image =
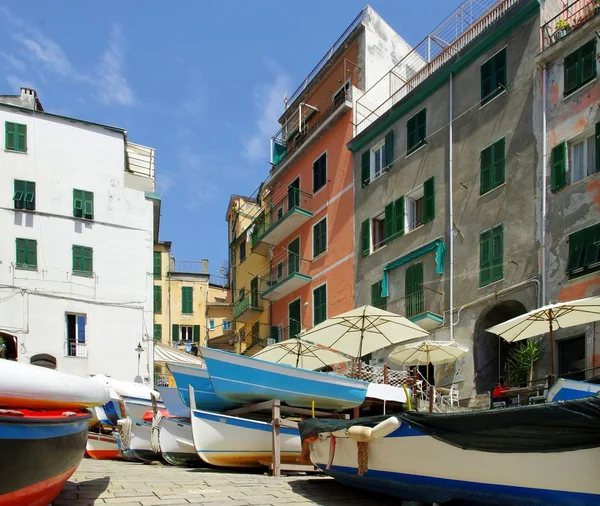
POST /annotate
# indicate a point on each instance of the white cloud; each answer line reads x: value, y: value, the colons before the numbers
x: 17, y: 82
x: 43, y: 51
x: 111, y: 84
x: 15, y: 63
x: 268, y: 100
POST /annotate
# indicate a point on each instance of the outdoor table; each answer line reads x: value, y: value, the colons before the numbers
x: 518, y: 391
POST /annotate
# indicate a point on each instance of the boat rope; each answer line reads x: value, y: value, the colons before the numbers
x: 155, y: 431
x: 331, y: 452
x: 363, y: 457
x: 124, y: 426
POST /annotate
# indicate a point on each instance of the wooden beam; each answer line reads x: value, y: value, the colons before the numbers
x: 275, y: 424
x: 250, y: 408
x: 297, y: 468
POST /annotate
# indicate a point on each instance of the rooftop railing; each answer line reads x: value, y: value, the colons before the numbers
x: 567, y: 20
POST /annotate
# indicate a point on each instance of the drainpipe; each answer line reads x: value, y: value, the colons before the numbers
x: 450, y: 205
x: 544, y: 165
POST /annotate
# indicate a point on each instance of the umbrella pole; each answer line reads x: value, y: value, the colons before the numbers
x: 362, y: 334
x: 551, y: 349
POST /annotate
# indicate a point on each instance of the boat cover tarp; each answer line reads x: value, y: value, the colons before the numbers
x: 537, y: 428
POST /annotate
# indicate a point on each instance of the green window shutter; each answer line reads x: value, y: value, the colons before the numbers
x: 187, y: 300
x: 10, y: 135
x: 376, y: 299
x: 485, y: 180
x: 21, y: 138
x: 320, y: 237
x: 485, y: 254
x: 32, y: 253
x: 15, y: 136
x: 592, y: 245
x: 570, y: 65
x: 499, y: 150
x: 19, y: 194
x: 274, y: 333
x: 486, y: 81
x: 389, y: 150
x: 500, y: 71
x: 399, y: 217
x: 389, y: 222
x: 365, y: 168
x: 559, y: 166
x: 175, y: 332
x: 320, y: 305
x: 77, y: 259
x: 157, y: 265
x: 365, y: 236
x: 77, y: 203
x: 88, y: 205
x: 428, y: 200
x: 422, y: 126
x: 88, y: 260
x: 576, y: 251
x: 598, y: 147
x: 588, y: 62
x: 21, y: 252
x: 497, y: 253
x: 157, y: 331
x: 196, y: 337
x: 157, y: 299
x: 29, y: 195
x: 416, y: 131
x: 411, y: 134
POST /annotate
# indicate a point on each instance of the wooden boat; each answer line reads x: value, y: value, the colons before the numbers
x: 173, y: 403
x: 545, y: 454
x: 246, y: 380
x: 25, y: 385
x: 229, y: 441
x: 566, y: 389
x: 138, y: 429
x: 102, y: 446
x: 39, y: 451
x: 176, y: 442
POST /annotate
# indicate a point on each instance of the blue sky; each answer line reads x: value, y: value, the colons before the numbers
x: 201, y: 81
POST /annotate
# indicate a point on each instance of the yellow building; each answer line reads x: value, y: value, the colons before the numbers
x: 219, y: 318
x: 252, y: 326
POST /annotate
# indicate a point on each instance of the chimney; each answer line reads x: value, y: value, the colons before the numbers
x: 30, y: 99
x: 204, y: 266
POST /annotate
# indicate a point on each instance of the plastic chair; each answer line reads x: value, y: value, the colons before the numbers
x: 451, y: 397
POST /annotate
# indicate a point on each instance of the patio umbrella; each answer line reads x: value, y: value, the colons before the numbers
x: 428, y: 352
x: 297, y: 353
x: 547, y: 319
x: 363, y: 330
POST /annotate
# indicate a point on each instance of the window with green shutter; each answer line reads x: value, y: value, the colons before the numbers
x: 584, y: 251
x: 492, y: 166
x: 157, y: 331
x: 389, y: 150
x: 365, y: 238
x: 414, y: 301
x: 320, y: 304
x: 491, y: 255
x: 196, y: 336
x: 26, y: 254
x: 83, y: 260
x: 157, y: 265
x: 320, y: 238
x: 428, y: 200
x: 83, y: 204
x: 559, y: 166
x: 376, y: 299
x: 187, y: 300
x: 365, y: 168
x: 580, y: 67
x: 416, y: 131
x: 320, y: 172
x: 24, y: 196
x: 175, y: 332
x: 157, y: 299
x: 15, y: 137
x: 493, y: 77
x: 242, y: 251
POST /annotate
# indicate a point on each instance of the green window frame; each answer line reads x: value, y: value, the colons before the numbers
x: 83, y: 204
x: 242, y: 251
x: 319, y: 172
x: 580, y: 67
x: 15, y: 138
x: 493, y: 77
x: 414, y: 300
x: 584, y: 251
x: 376, y: 299
x: 24, y: 196
x: 491, y: 255
x: 157, y: 299
x: 559, y: 166
x: 175, y: 332
x: 320, y: 237
x: 320, y: 304
x: 187, y: 300
x: 196, y: 334
x: 157, y: 265
x: 83, y: 260
x: 157, y: 331
x: 416, y: 131
x: 493, y: 160
x: 26, y: 257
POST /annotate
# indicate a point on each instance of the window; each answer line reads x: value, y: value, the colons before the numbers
x: 279, y: 270
x: 76, y: 338
x: 580, y: 67
x: 242, y: 251
x: 416, y: 131
x: 584, y: 251
x: 491, y: 255
x: 378, y: 159
x: 175, y: 332
x: 279, y: 213
x: 319, y: 172
x: 571, y: 358
x: 276, y: 333
x: 492, y: 167
x: 319, y: 304
x: 415, y: 201
x: 575, y: 160
x: 15, y: 137
x: 255, y: 330
x: 157, y: 265
x: 157, y: 331
x: 320, y: 238
x: 187, y: 332
x: 376, y: 299
x: 493, y: 77
x: 83, y: 260
x: 24, y: 196
x: 26, y: 254
x: 340, y: 95
x: 83, y: 204
x: 226, y: 324
x: 157, y: 299
x: 377, y: 231
x: 187, y: 300
x: 211, y: 324
x: 414, y: 301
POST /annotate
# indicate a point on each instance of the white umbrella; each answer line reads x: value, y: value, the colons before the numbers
x: 363, y: 330
x: 547, y: 319
x: 297, y: 353
x: 428, y: 352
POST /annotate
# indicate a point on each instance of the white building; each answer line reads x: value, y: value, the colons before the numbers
x: 78, y: 220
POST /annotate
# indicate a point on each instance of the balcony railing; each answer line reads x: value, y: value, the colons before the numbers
x: 280, y: 218
x: 286, y: 275
x: 246, y: 308
x: 424, y: 307
x: 76, y: 349
x: 567, y: 20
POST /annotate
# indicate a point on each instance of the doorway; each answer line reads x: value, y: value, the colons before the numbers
x: 294, y: 194
x: 294, y: 256
x: 571, y: 358
x: 294, y: 318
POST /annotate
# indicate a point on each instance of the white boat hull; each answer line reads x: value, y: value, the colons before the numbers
x: 102, y: 446
x: 229, y: 441
x: 176, y: 442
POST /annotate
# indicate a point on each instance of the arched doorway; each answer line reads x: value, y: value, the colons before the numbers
x: 489, y: 350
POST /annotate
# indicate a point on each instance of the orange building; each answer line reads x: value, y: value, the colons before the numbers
x: 305, y: 224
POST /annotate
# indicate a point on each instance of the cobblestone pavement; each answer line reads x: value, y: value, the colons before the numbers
x: 127, y: 484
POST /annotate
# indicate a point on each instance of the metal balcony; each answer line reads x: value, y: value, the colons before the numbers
x: 279, y: 219
x: 423, y: 307
x: 568, y: 20
x: 246, y: 309
x: 285, y: 277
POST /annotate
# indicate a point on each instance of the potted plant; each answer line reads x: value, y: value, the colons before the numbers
x: 521, y: 360
x: 562, y: 28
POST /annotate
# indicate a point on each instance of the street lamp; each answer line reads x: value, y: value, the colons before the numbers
x: 139, y: 351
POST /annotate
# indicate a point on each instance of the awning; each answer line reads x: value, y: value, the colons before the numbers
x: 164, y: 354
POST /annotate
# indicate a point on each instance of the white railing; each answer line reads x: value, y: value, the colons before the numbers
x: 76, y: 349
x: 380, y: 374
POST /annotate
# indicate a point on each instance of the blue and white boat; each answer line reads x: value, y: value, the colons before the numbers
x: 242, y: 379
x: 176, y: 442
x: 198, y: 378
x: 173, y: 403
x: 566, y: 389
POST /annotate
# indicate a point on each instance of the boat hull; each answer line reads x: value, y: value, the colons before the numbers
x: 136, y: 408
x: 229, y: 441
x: 139, y: 443
x: 248, y: 380
x: 433, y: 471
x: 177, y: 443
x: 38, y: 454
x: 173, y: 403
x: 102, y: 447
x: 566, y: 390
